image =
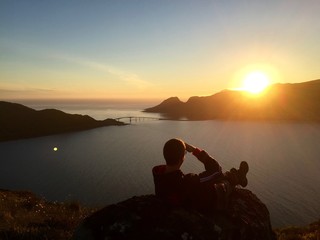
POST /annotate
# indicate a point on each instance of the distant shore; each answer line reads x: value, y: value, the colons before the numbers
x: 18, y: 121
x: 297, y: 102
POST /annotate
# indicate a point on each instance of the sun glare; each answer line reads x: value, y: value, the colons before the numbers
x: 255, y: 82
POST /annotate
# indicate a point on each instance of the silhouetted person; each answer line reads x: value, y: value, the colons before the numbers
x: 207, y: 191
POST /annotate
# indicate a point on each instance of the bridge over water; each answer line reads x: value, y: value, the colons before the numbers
x: 131, y: 119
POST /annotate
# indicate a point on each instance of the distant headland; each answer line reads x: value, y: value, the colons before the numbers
x: 279, y: 102
x: 18, y: 121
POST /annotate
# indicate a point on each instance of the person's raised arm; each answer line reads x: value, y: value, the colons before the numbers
x: 189, y: 147
x: 209, y: 162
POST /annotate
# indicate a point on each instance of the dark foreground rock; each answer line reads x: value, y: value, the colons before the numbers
x: 147, y: 217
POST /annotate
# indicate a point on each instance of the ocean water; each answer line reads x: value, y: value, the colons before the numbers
x: 98, y: 109
x: 110, y: 164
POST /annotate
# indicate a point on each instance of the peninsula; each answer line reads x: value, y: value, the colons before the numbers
x: 18, y: 121
x: 279, y: 102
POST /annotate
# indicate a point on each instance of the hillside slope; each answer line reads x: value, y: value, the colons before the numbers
x: 18, y: 121
x: 290, y: 102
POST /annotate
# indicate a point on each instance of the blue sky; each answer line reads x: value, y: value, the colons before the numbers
x: 152, y: 49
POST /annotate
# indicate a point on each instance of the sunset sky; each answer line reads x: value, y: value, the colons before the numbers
x: 153, y: 48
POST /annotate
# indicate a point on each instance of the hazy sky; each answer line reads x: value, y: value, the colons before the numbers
x: 153, y: 48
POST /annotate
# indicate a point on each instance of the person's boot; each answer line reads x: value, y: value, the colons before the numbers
x: 242, y: 174
x: 238, y: 177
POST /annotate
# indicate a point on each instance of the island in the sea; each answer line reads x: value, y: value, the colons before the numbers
x: 279, y: 102
x: 18, y: 121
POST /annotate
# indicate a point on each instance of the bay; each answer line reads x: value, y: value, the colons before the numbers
x: 110, y: 164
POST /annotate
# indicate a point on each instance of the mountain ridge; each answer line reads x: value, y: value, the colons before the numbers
x: 282, y: 102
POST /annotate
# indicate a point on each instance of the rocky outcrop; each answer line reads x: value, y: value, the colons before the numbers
x: 170, y: 108
x: 18, y: 121
x: 147, y: 217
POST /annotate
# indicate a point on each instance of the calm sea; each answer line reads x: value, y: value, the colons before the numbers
x: 110, y: 164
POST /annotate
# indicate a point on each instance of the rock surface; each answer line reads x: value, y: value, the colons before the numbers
x: 147, y: 217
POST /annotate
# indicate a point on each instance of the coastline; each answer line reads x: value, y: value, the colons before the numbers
x: 19, y: 121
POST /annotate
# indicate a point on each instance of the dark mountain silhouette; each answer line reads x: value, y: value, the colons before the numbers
x: 289, y: 102
x: 18, y: 121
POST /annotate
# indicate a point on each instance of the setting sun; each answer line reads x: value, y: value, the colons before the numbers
x: 255, y: 82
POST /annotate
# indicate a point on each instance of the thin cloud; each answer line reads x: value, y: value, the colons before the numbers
x: 127, y: 77
x: 29, y: 49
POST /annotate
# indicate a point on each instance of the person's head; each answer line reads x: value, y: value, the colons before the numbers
x: 174, y: 151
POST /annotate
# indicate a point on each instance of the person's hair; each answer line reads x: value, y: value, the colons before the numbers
x: 173, y: 151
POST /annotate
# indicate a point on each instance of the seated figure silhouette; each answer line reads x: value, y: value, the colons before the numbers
x: 205, y: 192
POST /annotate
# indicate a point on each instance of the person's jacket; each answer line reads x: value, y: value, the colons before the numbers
x: 192, y: 190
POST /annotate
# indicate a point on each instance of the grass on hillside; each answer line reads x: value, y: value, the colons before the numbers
x: 23, y: 215
x: 309, y: 232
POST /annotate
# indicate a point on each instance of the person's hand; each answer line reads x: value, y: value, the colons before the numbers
x: 189, y: 147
